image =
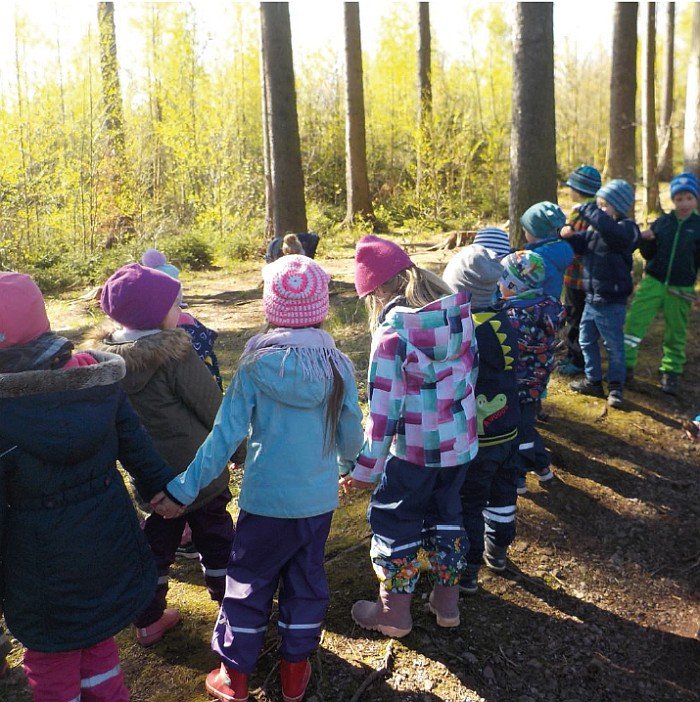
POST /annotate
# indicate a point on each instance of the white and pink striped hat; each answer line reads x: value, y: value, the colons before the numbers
x: 295, y: 293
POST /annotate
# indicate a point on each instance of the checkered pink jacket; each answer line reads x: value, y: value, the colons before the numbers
x: 422, y: 373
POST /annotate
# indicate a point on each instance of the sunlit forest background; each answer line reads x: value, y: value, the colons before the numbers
x: 191, y: 177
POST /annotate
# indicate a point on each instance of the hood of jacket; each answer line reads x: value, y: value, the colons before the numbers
x: 43, y: 412
x: 437, y: 330
x: 146, y: 355
x: 554, y: 251
x: 279, y: 373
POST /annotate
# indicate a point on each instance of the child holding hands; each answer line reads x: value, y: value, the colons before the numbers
x: 671, y: 248
x: 420, y: 436
x: 295, y: 396
x: 75, y: 567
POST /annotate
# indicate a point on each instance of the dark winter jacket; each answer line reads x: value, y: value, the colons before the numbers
x: 607, y: 246
x: 75, y: 567
x: 557, y: 255
x: 497, y: 407
x: 175, y: 396
x: 674, y: 255
x: 536, y: 323
x: 203, y: 340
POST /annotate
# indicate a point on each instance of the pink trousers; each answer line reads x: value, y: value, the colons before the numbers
x: 86, y: 675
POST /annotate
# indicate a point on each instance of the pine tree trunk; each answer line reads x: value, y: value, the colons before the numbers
x: 533, y: 166
x: 289, y: 206
x: 691, y: 137
x: 623, y: 90
x: 425, y: 93
x: 357, y: 183
x: 652, y: 203
x: 665, y: 168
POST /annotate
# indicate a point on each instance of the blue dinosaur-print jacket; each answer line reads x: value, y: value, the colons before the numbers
x: 203, y: 340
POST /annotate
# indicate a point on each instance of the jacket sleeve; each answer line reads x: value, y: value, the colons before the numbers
x: 230, y: 428
x: 387, y: 390
x: 349, y: 435
x: 578, y: 242
x: 196, y: 387
x: 4, y: 450
x: 621, y: 237
x: 137, y: 454
x: 649, y: 247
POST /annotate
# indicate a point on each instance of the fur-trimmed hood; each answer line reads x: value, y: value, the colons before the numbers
x: 61, y: 416
x: 109, y: 369
x: 146, y: 355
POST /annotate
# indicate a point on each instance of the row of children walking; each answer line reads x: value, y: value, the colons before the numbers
x: 449, y: 438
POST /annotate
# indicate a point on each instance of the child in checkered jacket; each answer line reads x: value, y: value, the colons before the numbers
x: 420, y: 436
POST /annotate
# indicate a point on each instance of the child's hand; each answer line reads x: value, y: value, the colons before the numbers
x: 648, y: 235
x: 567, y: 232
x: 165, y: 507
x: 347, y: 483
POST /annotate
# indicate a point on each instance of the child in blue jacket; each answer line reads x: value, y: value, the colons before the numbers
x: 542, y: 223
x: 607, y: 246
x: 294, y: 395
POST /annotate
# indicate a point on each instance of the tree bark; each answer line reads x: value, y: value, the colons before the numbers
x: 357, y: 182
x: 623, y: 90
x: 280, y: 104
x: 533, y: 166
x: 425, y: 94
x: 665, y: 167
x: 649, y: 145
x: 691, y: 135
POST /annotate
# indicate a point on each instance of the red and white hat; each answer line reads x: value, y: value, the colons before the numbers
x: 295, y: 292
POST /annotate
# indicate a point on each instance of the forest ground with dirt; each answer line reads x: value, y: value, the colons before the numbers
x: 600, y: 601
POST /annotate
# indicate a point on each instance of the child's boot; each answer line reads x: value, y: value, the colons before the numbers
x: 615, y: 395
x: 469, y: 580
x: 444, y: 604
x: 294, y: 677
x: 390, y: 614
x: 153, y: 633
x: 495, y: 556
x: 227, y: 684
x: 669, y: 383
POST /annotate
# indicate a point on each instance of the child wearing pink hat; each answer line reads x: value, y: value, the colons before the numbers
x: 75, y: 567
x: 294, y: 395
x: 177, y: 400
x: 420, y: 436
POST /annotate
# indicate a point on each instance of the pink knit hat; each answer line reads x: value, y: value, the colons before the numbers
x: 139, y: 297
x: 295, y: 293
x: 22, y: 310
x: 377, y: 261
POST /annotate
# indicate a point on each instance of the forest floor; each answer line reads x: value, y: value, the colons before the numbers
x: 600, y: 601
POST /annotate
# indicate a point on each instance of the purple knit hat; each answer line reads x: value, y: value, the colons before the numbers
x: 139, y: 297
x: 376, y: 262
x: 295, y: 292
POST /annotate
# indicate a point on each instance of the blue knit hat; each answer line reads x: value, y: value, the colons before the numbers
x: 685, y: 182
x: 543, y: 220
x: 618, y: 193
x: 493, y: 239
x: 585, y: 180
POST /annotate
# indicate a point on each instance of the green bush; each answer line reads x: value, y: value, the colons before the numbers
x: 189, y: 250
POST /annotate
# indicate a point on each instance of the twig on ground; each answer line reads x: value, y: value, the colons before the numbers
x: 507, y: 660
x: 376, y: 674
x: 350, y: 549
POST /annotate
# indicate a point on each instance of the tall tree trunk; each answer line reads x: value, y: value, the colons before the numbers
x: 289, y: 206
x: 623, y: 90
x: 425, y: 92
x: 267, y: 167
x: 691, y: 136
x: 652, y: 203
x: 357, y: 183
x: 119, y: 220
x: 533, y: 165
x: 665, y: 168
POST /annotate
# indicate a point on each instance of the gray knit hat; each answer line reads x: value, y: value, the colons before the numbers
x: 477, y: 270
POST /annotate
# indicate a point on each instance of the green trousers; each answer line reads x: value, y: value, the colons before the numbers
x: 651, y: 296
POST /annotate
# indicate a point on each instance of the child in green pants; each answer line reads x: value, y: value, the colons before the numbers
x: 672, y: 251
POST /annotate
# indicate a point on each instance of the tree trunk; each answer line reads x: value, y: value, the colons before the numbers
x: 623, y: 90
x: 357, y: 183
x: 652, y: 203
x: 691, y: 137
x: 665, y: 168
x: 267, y: 168
x: 425, y: 92
x: 533, y: 166
x: 280, y: 104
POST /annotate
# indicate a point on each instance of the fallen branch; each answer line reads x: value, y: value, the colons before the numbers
x: 376, y: 674
x: 454, y: 239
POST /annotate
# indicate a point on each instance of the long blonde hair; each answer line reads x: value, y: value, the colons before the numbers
x: 419, y: 286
